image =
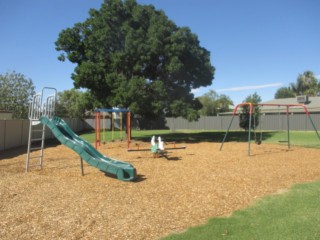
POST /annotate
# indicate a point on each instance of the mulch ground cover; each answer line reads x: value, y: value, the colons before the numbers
x: 172, y: 193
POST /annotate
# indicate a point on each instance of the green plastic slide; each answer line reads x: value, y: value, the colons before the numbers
x: 61, y: 130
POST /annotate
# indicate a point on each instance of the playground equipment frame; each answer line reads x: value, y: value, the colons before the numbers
x: 42, y: 104
x: 97, y: 123
x: 252, y: 105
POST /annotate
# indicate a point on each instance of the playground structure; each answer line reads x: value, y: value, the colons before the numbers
x: 116, y: 114
x: 43, y: 104
x: 204, y: 176
x: 157, y: 148
x: 251, y: 117
x: 41, y: 111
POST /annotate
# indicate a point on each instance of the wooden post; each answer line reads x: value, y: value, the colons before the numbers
x: 81, y: 164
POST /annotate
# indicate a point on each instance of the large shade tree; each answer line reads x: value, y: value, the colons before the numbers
x: 131, y: 55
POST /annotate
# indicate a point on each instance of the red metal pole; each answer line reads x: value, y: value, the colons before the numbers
x: 97, y: 129
x: 128, y: 129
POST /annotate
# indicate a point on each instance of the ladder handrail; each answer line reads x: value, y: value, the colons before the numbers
x: 41, y: 105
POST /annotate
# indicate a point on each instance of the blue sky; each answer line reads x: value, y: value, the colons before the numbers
x: 255, y: 45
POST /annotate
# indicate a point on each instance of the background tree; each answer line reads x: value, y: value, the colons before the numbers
x: 213, y: 103
x: 133, y: 56
x: 16, y: 92
x: 245, y: 113
x: 285, y: 92
x: 306, y: 84
x: 74, y: 103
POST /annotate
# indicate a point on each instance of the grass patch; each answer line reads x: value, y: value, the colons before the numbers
x: 299, y: 138
x: 292, y: 215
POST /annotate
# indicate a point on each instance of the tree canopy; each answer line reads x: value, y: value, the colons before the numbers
x: 74, y: 103
x: 131, y: 55
x: 284, y: 92
x: 16, y: 92
x: 244, y: 121
x: 306, y: 84
x: 213, y: 103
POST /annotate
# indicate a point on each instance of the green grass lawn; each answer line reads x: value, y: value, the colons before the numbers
x: 294, y: 215
x: 299, y: 138
x: 291, y: 215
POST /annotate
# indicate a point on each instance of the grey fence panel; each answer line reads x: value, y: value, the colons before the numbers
x: 315, y: 118
x: 217, y: 123
x: 227, y: 120
x: 200, y: 124
x: 297, y: 122
x: 73, y: 123
x: 25, y: 132
x: 170, y: 123
x: 2, y: 134
x: 204, y: 123
x: 89, y: 124
x: 13, y: 132
x: 276, y: 122
x: 179, y: 123
x: 210, y: 123
x: 273, y: 122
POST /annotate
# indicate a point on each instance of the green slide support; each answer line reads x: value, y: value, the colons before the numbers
x: 122, y: 170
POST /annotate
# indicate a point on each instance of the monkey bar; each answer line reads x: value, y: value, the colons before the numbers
x: 252, y: 105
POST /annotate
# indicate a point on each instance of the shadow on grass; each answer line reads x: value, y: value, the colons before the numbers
x: 217, y: 137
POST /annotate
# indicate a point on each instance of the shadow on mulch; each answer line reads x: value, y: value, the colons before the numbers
x: 15, y: 152
x: 139, y: 178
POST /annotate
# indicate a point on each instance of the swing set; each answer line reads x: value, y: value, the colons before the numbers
x: 100, y: 124
x: 253, y: 128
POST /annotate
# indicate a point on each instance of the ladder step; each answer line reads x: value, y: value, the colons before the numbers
x: 36, y: 156
x: 37, y: 130
x: 35, y: 148
x: 36, y: 139
x: 34, y: 165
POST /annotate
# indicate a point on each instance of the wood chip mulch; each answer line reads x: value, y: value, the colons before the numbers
x: 171, y: 194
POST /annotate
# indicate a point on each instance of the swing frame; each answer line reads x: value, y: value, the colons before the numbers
x: 252, y: 105
x: 97, y: 123
x: 258, y: 142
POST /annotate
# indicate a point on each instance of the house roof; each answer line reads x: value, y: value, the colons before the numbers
x: 313, y: 105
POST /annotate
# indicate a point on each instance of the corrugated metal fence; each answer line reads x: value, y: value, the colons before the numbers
x: 297, y: 122
x: 14, y: 133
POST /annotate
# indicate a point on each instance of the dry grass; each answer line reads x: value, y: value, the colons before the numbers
x: 170, y: 195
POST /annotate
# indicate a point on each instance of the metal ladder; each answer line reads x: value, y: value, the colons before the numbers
x: 42, y: 105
